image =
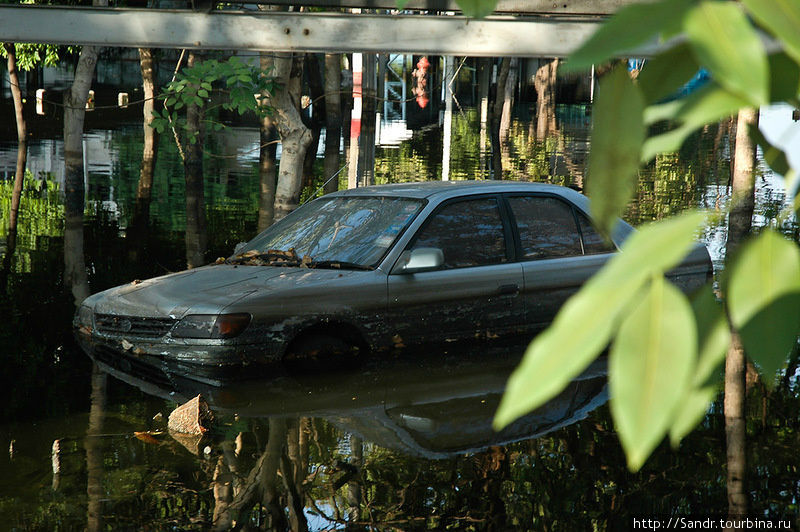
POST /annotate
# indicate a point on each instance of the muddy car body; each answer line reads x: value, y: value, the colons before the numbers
x: 371, y: 268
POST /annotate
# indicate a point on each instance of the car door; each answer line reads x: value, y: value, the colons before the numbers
x: 559, y: 251
x: 476, y: 291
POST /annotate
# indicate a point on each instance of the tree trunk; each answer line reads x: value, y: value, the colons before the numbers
x: 22, y: 143
x: 74, y: 112
x: 196, y: 236
x: 22, y: 156
x: 94, y: 452
x: 497, y: 111
x: 316, y: 114
x: 295, y: 136
x: 144, y: 189
x: 545, y: 84
x: 267, y: 167
x: 508, y: 99
x: 333, y: 120
x: 739, y: 224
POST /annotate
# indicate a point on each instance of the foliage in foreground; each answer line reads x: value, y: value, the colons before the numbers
x: 665, y: 351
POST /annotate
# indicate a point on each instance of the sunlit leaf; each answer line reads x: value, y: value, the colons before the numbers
x: 477, y: 8
x: 630, y: 27
x: 650, y: 368
x: 713, y: 335
x: 704, y: 106
x: 691, y: 411
x: 583, y: 327
x: 667, y: 72
x: 764, y: 299
x: 726, y: 43
x: 617, y: 135
x: 782, y: 18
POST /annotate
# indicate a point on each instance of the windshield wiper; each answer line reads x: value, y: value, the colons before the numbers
x: 338, y: 265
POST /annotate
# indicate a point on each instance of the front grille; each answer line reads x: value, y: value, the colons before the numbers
x: 135, y: 367
x: 133, y: 325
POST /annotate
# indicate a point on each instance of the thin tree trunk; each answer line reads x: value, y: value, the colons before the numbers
x: 267, y: 163
x: 316, y: 113
x: 508, y: 99
x: 196, y: 236
x: 74, y: 113
x: 333, y: 120
x: 94, y: 452
x: 497, y: 111
x: 295, y: 136
x: 145, y: 186
x: 22, y: 143
x: 739, y: 224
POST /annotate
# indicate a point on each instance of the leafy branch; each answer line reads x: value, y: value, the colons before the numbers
x: 666, y: 352
x: 236, y: 83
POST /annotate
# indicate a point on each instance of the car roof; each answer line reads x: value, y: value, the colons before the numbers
x: 441, y: 190
x: 429, y: 189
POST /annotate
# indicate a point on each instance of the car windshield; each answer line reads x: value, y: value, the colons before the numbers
x: 340, y: 232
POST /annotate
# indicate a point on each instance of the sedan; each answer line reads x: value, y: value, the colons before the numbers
x: 368, y: 269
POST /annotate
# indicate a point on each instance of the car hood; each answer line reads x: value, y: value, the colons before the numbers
x: 206, y: 290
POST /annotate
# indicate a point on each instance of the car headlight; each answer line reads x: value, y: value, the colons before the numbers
x: 84, y: 317
x: 211, y: 325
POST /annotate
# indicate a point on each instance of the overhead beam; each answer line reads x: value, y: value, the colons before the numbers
x: 302, y: 32
x: 520, y: 7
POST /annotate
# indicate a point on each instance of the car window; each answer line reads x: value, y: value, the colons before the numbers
x: 546, y: 226
x: 593, y: 243
x: 469, y: 233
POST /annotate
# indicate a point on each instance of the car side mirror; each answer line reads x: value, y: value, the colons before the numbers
x: 419, y: 260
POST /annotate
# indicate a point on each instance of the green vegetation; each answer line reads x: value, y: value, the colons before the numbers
x: 722, y: 37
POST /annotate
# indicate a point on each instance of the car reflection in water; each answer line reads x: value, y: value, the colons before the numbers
x: 369, y: 269
x: 427, y: 404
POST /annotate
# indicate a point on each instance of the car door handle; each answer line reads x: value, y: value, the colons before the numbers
x: 510, y: 290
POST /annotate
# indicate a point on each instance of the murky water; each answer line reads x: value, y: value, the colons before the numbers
x: 397, y: 445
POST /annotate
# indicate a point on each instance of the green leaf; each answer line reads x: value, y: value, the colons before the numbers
x: 714, y: 336
x: 667, y: 72
x: 617, y: 135
x: 650, y: 368
x: 785, y: 82
x: 726, y: 43
x: 630, y: 27
x: 476, y: 8
x: 563, y: 351
x: 691, y: 411
x: 782, y: 18
x: 771, y: 334
x: 206, y: 85
x: 764, y: 298
x: 707, y: 105
x: 714, y: 339
x: 202, y: 93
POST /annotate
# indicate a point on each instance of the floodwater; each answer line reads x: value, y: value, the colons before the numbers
x: 400, y: 444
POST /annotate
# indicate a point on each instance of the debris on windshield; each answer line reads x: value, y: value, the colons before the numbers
x: 272, y: 257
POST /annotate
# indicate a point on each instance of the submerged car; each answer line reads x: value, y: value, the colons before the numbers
x: 371, y: 268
